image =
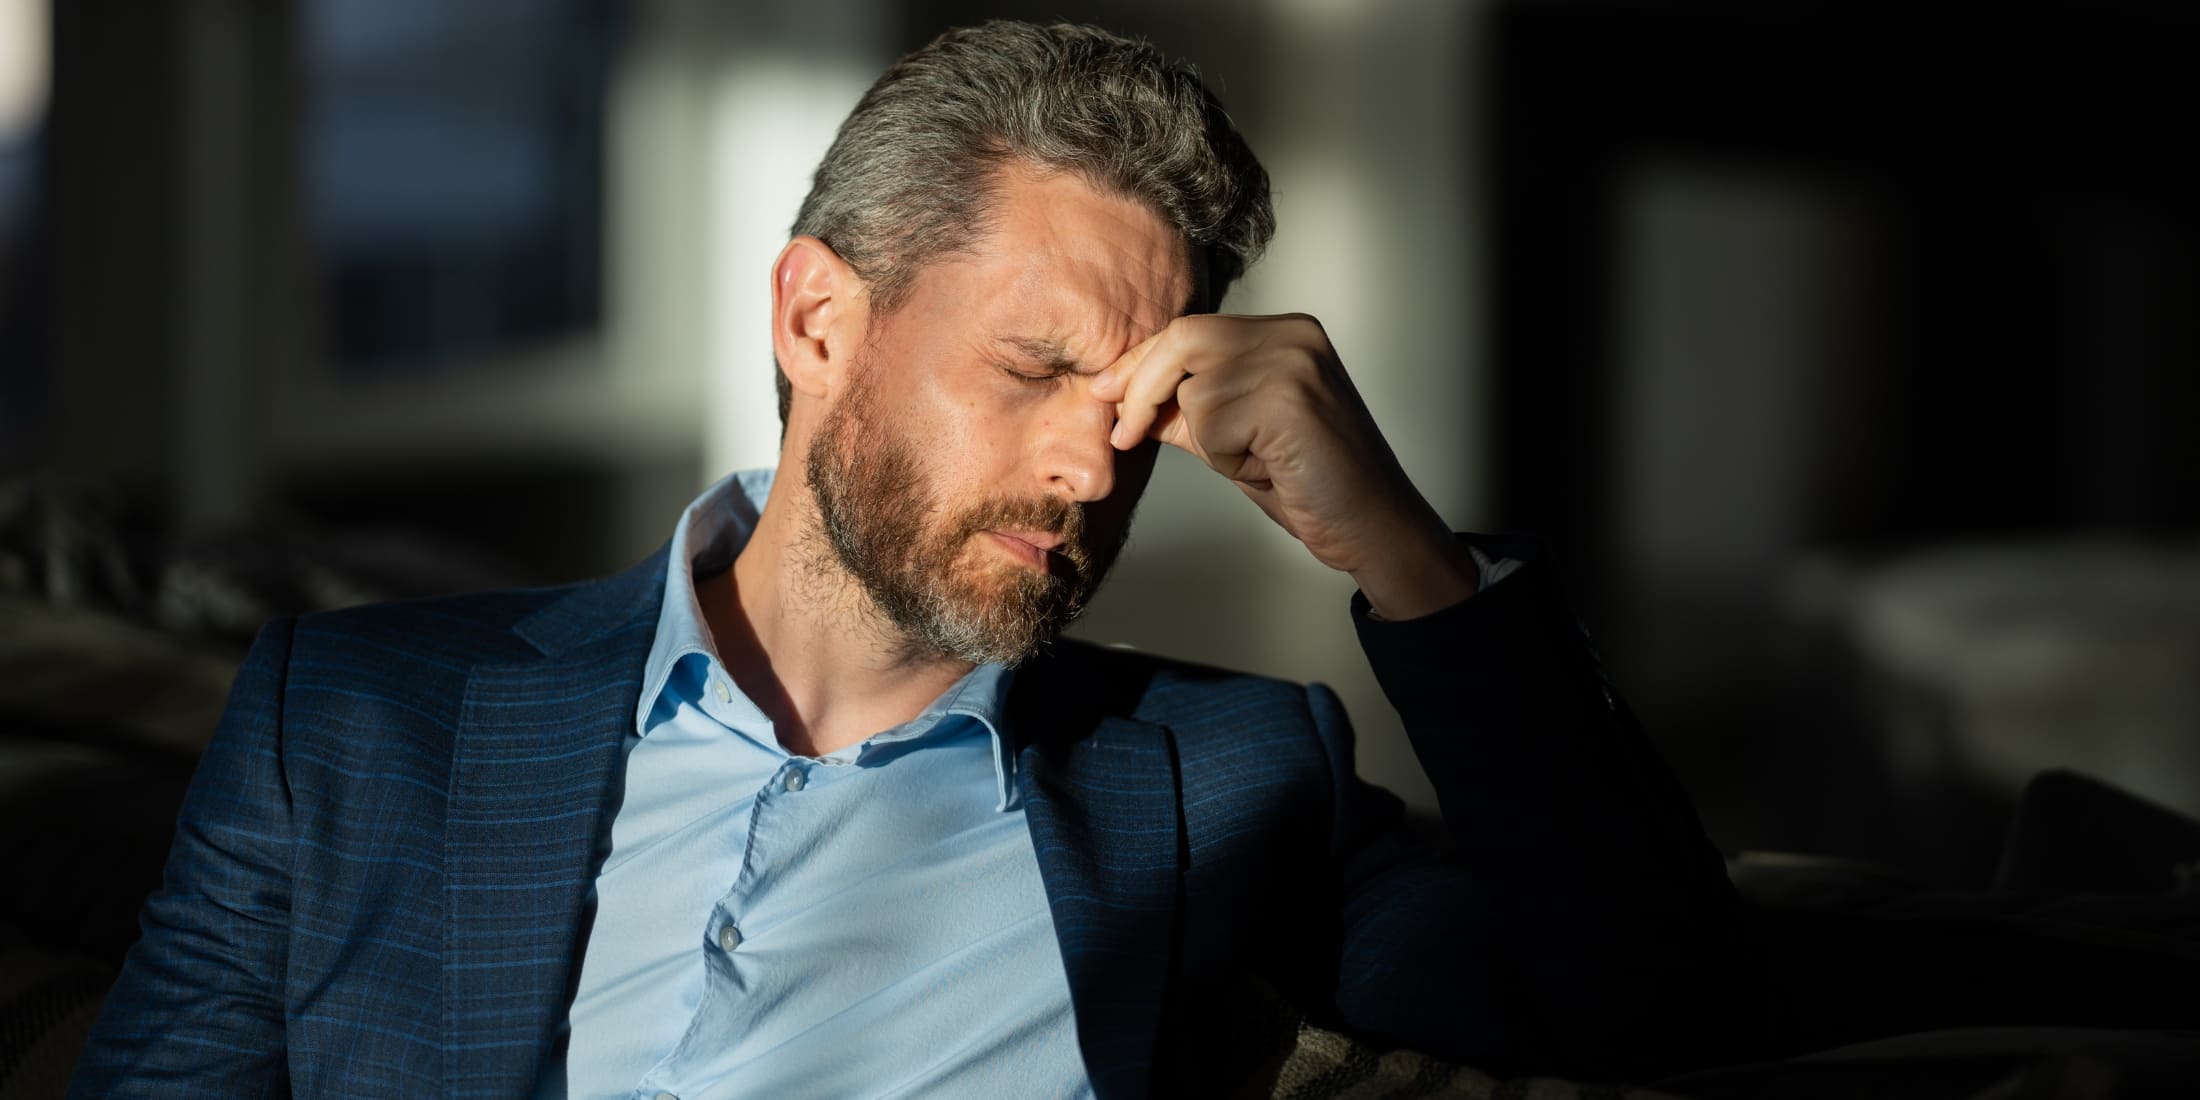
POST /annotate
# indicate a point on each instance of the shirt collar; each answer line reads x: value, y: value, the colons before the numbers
x: 711, y: 533
x: 981, y: 694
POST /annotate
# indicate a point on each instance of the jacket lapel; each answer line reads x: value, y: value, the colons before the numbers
x: 1102, y: 798
x: 535, y: 764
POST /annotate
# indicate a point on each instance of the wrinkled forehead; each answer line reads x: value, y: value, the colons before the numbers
x: 1064, y: 262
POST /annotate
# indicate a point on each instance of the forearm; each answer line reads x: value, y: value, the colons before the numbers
x: 1617, y: 921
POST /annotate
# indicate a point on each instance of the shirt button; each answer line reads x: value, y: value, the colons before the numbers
x: 794, y: 781
x: 729, y: 938
x: 725, y: 695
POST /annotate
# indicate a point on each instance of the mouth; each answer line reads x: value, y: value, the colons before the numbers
x: 1030, y: 546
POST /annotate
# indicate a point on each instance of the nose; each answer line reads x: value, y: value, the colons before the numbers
x: 1079, y: 461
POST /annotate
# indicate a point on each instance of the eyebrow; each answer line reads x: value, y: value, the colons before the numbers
x: 1051, y: 353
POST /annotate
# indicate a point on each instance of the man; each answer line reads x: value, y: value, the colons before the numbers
x: 812, y: 804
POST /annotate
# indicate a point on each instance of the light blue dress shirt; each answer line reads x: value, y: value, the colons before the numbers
x: 868, y: 923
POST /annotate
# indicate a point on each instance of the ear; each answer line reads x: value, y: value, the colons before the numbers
x: 818, y: 315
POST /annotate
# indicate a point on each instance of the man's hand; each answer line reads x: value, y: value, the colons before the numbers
x: 1265, y: 402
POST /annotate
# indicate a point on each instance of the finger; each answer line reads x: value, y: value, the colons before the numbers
x: 1224, y: 427
x: 1151, y: 390
x: 1170, y: 428
x: 1107, y: 385
x: 1147, y: 382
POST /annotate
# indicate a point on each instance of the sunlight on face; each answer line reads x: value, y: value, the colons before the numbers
x: 964, y: 475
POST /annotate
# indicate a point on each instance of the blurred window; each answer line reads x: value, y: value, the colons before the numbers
x: 26, y: 51
x: 453, y: 175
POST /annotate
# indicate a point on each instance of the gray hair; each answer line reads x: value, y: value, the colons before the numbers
x: 911, y: 175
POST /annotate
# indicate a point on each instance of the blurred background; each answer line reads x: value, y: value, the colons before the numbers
x: 1844, y: 355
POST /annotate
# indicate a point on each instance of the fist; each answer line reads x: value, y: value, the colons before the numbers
x: 1266, y: 403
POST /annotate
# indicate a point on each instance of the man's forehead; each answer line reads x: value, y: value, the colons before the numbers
x: 1054, y: 235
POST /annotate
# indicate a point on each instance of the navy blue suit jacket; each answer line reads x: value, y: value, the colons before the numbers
x: 377, y: 880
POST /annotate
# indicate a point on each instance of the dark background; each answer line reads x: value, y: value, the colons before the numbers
x: 1844, y: 355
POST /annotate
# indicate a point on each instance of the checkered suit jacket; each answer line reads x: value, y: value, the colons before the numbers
x: 377, y: 878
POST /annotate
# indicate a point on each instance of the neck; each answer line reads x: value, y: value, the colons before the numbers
x: 802, y: 638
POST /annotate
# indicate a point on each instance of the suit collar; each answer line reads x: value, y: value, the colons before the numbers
x: 537, y: 770
x: 587, y: 613
x: 1102, y: 797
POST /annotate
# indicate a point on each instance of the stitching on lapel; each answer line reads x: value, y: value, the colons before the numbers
x: 531, y: 778
x: 1104, y: 801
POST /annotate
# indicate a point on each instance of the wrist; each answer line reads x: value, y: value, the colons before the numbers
x: 1418, y: 575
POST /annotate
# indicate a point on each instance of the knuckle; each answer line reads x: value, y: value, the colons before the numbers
x: 1195, y: 395
x: 1306, y: 365
x: 1187, y: 331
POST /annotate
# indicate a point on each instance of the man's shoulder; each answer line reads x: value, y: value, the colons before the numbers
x: 471, y: 626
x: 1127, y: 682
x: 373, y: 679
x: 461, y: 630
x: 1254, y: 740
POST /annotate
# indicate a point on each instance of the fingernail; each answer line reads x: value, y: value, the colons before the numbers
x: 1115, y: 436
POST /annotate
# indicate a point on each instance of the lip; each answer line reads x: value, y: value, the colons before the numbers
x: 1042, y: 540
x: 1029, y: 545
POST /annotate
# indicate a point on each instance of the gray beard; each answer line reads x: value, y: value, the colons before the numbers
x: 877, y: 513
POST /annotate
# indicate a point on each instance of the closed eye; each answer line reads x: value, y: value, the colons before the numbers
x: 1033, y: 359
x: 1031, y: 376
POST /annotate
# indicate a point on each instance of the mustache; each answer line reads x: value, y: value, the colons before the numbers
x: 1061, y: 518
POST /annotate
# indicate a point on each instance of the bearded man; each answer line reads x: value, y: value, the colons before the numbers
x: 813, y: 803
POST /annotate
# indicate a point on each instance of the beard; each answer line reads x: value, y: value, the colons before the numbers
x: 890, y: 531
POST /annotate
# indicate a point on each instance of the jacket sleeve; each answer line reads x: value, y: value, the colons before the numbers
x: 198, y: 1009
x: 1589, y: 928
